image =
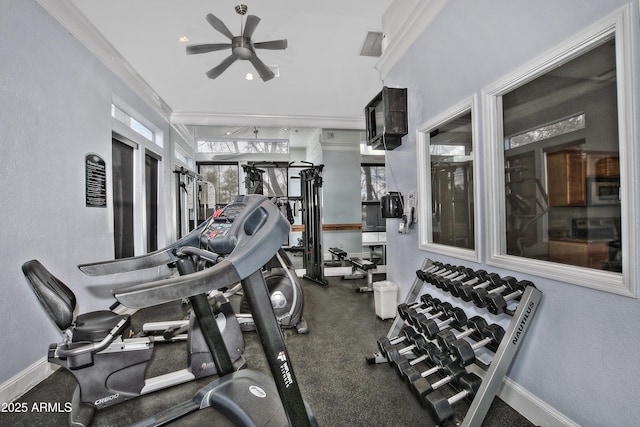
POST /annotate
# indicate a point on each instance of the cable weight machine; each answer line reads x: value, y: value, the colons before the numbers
x: 311, y: 188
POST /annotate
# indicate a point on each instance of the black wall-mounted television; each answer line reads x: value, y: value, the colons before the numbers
x: 386, y: 118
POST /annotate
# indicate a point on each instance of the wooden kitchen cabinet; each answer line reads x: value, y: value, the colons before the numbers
x: 579, y: 253
x: 566, y: 178
x: 567, y: 173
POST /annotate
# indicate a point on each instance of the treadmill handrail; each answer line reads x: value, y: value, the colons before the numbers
x: 157, y: 258
x: 259, y: 232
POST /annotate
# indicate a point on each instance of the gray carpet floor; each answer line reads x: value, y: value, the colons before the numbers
x: 329, y: 362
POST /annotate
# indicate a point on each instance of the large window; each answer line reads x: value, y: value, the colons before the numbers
x: 229, y: 146
x: 563, y: 198
x: 372, y: 188
x: 447, y: 196
x: 223, y: 182
x: 275, y: 181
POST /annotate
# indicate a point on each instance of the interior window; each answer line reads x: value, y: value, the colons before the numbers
x: 561, y: 157
x: 452, y: 206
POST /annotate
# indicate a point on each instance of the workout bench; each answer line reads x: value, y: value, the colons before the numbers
x: 337, y: 256
x: 357, y: 264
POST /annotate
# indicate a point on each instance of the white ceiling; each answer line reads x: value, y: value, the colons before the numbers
x: 324, y: 82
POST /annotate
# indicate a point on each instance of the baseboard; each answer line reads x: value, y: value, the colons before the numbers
x: 531, y: 407
x: 25, y: 380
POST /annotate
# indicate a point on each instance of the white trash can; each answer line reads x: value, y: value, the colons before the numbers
x: 385, y: 297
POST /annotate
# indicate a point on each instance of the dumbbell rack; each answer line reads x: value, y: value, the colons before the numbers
x: 503, y: 357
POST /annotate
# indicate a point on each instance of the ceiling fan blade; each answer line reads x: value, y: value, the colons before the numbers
x: 261, y: 68
x: 250, y: 26
x: 219, y: 69
x: 204, y: 48
x: 273, y: 44
x: 219, y: 25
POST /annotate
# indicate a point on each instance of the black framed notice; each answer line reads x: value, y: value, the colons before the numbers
x: 95, y: 181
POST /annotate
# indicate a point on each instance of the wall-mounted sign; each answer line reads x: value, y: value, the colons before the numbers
x: 95, y: 181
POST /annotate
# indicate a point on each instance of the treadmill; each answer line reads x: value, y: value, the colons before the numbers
x: 244, y: 237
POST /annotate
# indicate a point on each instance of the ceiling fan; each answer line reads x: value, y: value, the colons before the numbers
x: 241, y: 46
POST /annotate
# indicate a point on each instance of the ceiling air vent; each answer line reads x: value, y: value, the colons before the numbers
x: 372, y: 45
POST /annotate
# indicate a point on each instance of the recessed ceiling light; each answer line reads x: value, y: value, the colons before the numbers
x: 249, y: 76
x: 183, y: 39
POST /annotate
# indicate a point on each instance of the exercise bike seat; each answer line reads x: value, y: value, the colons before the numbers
x: 60, y: 303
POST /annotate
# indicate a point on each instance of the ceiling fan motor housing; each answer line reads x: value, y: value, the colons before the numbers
x: 242, y: 47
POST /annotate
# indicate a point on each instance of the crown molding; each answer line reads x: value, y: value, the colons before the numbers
x: 220, y: 119
x: 65, y: 12
x: 421, y: 17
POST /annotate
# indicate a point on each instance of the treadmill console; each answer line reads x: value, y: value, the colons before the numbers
x: 218, y: 234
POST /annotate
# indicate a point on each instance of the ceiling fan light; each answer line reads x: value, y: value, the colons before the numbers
x: 242, y: 52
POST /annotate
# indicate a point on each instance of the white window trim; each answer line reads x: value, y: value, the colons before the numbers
x: 425, y: 224
x: 618, y: 23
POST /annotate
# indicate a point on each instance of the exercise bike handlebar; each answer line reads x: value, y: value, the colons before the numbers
x: 91, y: 347
x: 256, y: 234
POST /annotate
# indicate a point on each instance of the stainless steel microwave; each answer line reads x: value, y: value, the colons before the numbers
x: 603, y: 191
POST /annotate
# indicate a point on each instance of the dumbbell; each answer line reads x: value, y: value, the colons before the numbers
x: 445, y: 281
x: 479, y: 295
x: 465, y: 353
x: 456, y: 318
x: 429, y: 352
x: 464, y: 291
x: 451, y: 372
x: 428, y: 307
x: 472, y: 278
x: 394, y: 354
x: 406, y: 334
x: 421, y: 318
x: 442, y: 407
x: 435, y: 359
x: 444, y: 269
x: 403, y: 308
x: 437, y: 279
x: 475, y: 325
x: 435, y: 266
x: 497, y: 303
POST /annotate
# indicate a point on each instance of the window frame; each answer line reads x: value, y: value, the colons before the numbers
x: 425, y: 222
x: 617, y: 24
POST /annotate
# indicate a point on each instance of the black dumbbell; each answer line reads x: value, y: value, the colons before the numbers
x: 479, y: 295
x: 444, y: 269
x: 404, y: 308
x: 420, y: 273
x: 442, y: 281
x: 442, y: 407
x: 430, y: 306
x: 406, y: 334
x: 497, y: 304
x: 465, y: 353
x: 435, y: 359
x: 473, y: 277
x: 429, y: 352
x: 456, y: 318
x: 464, y: 291
x: 440, y: 309
x: 450, y: 374
x: 475, y: 325
x: 396, y: 354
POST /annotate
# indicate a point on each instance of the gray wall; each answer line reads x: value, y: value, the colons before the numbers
x: 581, y: 355
x: 55, y: 101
